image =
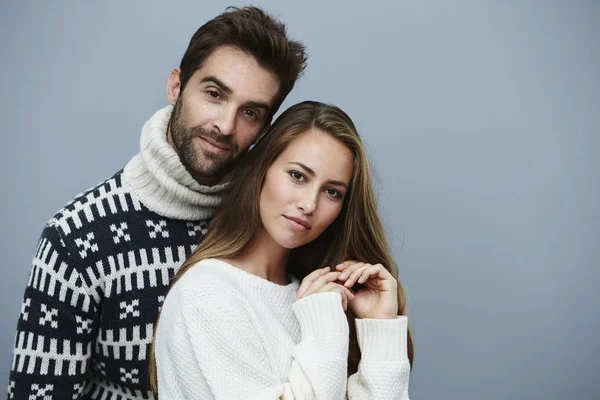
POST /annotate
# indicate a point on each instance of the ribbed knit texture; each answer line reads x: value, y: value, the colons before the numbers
x: 100, y: 274
x: 158, y: 178
x: 228, y: 334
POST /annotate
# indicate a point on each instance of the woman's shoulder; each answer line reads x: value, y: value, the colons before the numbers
x: 204, y: 292
x: 209, y: 267
x: 217, y: 280
x: 208, y: 279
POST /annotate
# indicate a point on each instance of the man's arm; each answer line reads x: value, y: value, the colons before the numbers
x: 57, y: 326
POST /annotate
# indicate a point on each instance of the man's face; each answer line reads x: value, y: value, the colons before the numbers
x: 220, y: 113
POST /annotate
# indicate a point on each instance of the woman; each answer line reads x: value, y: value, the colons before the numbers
x: 257, y: 312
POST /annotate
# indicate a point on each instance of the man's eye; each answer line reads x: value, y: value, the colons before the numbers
x: 213, y: 94
x: 251, y: 114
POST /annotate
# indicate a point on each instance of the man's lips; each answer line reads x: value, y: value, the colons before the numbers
x: 298, y: 221
x: 215, y: 144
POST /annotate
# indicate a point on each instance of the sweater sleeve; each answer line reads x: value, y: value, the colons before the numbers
x: 384, y: 369
x: 56, y: 327
x: 213, y: 353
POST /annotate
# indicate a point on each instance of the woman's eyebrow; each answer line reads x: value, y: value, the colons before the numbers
x: 312, y: 173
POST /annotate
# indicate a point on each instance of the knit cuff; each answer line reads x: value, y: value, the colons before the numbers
x: 321, y: 314
x: 383, y: 339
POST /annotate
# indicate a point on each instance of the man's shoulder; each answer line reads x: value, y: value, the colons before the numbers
x: 82, y: 222
x: 108, y: 197
x: 108, y: 220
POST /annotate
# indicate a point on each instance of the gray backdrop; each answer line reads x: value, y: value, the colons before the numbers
x: 482, y: 119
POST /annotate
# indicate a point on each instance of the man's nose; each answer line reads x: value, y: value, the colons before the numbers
x: 225, y: 122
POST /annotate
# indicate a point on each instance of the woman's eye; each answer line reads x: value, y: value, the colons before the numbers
x: 297, y: 176
x: 334, y: 193
x: 213, y: 94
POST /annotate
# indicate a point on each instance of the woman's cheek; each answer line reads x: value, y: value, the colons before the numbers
x: 332, y: 211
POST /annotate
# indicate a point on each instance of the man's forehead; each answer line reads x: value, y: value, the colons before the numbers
x: 239, y: 74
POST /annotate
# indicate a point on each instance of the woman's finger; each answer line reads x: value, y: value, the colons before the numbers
x: 309, y: 279
x: 320, y: 282
x: 350, y: 269
x: 346, y: 293
x: 355, y: 275
x: 368, y: 273
x: 326, y: 278
x: 377, y: 271
x: 335, y: 288
x: 341, y: 266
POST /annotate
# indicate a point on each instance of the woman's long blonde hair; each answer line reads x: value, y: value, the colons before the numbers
x: 356, y: 234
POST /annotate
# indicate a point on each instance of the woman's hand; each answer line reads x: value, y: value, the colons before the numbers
x: 322, y: 280
x: 378, y: 298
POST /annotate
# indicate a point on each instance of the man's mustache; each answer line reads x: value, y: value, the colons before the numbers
x: 216, y: 137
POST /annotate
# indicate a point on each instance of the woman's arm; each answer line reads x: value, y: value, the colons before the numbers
x: 384, y: 369
x: 322, y: 354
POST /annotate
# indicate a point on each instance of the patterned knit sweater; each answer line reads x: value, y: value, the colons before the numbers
x: 227, y: 334
x: 100, y: 274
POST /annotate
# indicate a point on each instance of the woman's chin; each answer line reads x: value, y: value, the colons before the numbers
x: 291, y: 243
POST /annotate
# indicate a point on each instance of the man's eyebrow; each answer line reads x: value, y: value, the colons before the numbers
x: 258, y: 104
x: 218, y: 82
x: 227, y: 89
x: 312, y: 173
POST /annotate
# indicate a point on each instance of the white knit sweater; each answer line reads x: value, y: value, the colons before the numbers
x: 227, y: 334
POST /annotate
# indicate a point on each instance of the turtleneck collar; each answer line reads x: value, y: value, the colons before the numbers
x: 159, y: 180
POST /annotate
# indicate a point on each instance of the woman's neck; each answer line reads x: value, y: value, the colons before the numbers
x: 266, y: 259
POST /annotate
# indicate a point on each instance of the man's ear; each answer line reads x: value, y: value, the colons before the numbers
x: 173, y: 86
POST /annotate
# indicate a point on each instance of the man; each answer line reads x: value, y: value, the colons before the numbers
x: 103, y: 263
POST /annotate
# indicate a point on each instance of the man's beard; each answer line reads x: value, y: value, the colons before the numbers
x: 202, y: 163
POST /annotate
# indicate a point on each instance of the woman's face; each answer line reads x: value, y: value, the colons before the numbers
x: 304, y: 189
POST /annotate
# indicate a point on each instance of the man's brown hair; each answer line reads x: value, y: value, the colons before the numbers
x: 255, y: 32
